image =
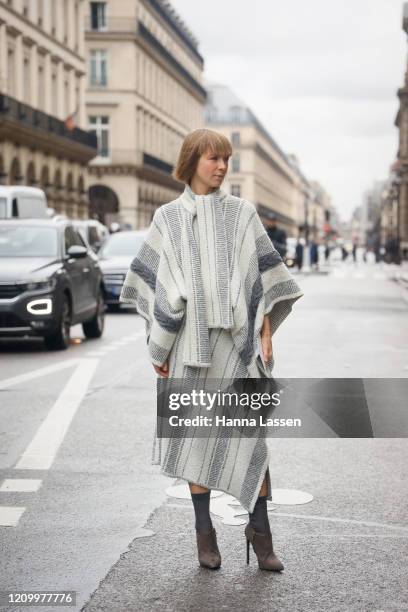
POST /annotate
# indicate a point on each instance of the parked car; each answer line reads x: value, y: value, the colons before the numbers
x: 49, y: 280
x: 92, y: 231
x: 23, y: 202
x: 115, y: 257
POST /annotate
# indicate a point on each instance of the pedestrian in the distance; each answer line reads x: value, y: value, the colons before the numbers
x: 355, y: 252
x: 314, y: 255
x: 212, y: 290
x: 277, y: 235
x: 299, y: 254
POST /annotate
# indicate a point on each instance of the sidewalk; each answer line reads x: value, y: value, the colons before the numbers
x: 399, y: 274
x: 345, y: 550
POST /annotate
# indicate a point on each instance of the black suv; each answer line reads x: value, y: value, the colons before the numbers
x: 49, y: 280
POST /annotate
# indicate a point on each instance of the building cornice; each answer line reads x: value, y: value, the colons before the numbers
x: 167, y: 19
x: 142, y: 36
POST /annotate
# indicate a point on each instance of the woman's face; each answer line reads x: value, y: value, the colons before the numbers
x: 211, y: 169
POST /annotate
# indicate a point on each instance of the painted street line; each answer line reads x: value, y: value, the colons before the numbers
x: 16, y: 380
x: 42, y: 450
x: 9, y: 516
x: 190, y: 508
x: 21, y: 485
x: 315, y: 517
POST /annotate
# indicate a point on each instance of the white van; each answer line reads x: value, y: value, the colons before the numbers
x: 22, y: 202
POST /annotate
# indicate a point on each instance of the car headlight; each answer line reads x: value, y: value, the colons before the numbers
x: 48, y: 284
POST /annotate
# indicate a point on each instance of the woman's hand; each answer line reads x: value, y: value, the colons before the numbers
x: 162, y: 370
x: 266, y: 339
x: 266, y: 342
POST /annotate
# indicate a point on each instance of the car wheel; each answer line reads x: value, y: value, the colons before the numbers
x: 113, y: 307
x: 61, y: 338
x: 94, y: 327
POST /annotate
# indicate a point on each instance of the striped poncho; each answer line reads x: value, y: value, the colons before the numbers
x: 208, y: 262
x: 203, y: 280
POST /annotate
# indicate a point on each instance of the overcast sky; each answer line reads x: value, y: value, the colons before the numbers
x: 321, y: 75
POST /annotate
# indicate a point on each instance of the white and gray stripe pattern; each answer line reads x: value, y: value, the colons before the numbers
x: 181, y: 283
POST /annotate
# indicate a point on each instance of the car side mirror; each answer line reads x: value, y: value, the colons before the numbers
x: 77, y: 251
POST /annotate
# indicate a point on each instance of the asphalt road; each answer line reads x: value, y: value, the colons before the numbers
x: 76, y: 428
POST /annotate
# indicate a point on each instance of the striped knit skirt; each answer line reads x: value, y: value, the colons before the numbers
x: 235, y: 465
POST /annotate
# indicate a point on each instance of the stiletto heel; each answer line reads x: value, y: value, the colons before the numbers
x: 262, y: 545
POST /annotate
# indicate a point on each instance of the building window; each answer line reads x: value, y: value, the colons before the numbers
x: 54, y: 92
x: 211, y: 113
x: 26, y: 7
x: 99, y: 125
x: 76, y: 25
x: 98, y: 72
x: 235, y: 163
x: 66, y: 21
x: 235, y: 114
x: 11, y: 72
x: 26, y: 81
x: 40, y: 12
x: 236, y: 190
x: 67, y: 109
x: 98, y: 15
x: 53, y: 19
x: 41, y: 88
x: 235, y: 139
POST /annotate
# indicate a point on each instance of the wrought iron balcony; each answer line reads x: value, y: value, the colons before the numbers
x: 156, y: 163
x: 132, y: 157
x: 29, y: 117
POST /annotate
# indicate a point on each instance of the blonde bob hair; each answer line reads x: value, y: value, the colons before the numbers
x: 195, y: 144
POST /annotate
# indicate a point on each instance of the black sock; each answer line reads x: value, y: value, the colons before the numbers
x: 258, y: 519
x: 201, y: 503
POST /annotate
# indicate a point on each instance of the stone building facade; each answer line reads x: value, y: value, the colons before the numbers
x: 144, y: 94
x: 42, y: 83
x: 258, y: 170
x: 401, y: 178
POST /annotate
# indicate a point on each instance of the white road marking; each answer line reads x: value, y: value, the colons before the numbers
x: 114, y: 345
x: 9, y: 515
x: 189, y: 508
x: 316, y: 517
x: 16, y: 380
x: 41, y: 451
x: 22, y: 485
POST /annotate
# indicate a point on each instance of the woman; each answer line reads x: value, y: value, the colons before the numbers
x: 212, y: 290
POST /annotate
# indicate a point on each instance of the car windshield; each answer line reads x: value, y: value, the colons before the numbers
x: 122, y: 243
x: 28, y: 241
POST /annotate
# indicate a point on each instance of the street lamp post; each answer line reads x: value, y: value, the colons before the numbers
x: 396, y: 191
x: 306, y: 257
